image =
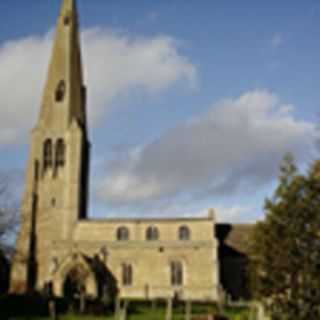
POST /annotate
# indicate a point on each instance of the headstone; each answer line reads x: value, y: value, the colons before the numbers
x: 153, y: 304
x: 188, y: 310
x: 52, y: 309
x: 117, y: 308
x: 169, y: 309
x: 260, y: 311
x: 124, y: 310
x: 82, y: 301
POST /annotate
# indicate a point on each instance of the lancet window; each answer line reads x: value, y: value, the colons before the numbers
x: 176, y: 269
x: 60, y: 153
x: 47, y: 155
x: 126, y: 274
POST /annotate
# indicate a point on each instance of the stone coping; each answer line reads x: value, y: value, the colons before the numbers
x: 141, y: 220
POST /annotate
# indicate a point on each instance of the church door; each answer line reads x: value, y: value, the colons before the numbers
x: 74, y: 288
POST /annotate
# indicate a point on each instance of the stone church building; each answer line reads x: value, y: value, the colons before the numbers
x: 59, y: 246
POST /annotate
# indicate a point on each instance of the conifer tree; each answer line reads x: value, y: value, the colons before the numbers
x: 285, y: 247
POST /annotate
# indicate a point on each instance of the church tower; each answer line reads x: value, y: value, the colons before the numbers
x: 56, y: 190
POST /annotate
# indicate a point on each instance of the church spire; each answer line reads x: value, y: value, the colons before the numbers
x: 68, y: 6
x: 64, y: 92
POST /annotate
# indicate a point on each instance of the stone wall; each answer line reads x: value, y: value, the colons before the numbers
x: 150, y: 260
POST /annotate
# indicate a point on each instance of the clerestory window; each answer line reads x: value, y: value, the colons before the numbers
x: 123, y: 234
x: 184, y: 233
x: 152, y: 233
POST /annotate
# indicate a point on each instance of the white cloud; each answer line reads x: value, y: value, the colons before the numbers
x: 22, y: 74
x: 115, y: 64
x: 235, y: 214
x: 236, y: 145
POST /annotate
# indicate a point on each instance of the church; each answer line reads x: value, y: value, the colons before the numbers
x: 59, y: 245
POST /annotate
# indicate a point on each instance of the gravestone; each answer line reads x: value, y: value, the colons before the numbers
x: 117, y: 308
x: 169, y: 309
x: 188, y: 310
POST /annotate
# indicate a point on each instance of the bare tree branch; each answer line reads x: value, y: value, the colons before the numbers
x: 9, y: 207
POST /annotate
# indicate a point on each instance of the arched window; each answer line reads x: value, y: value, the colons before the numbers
x: 60, y: 153
x: 184, y: 233
x: 152, y: 233
x: 47, y: 154
x: 60, y: 91
x: 126, y: 274
x: 176, y: 270
x: 123, y: 234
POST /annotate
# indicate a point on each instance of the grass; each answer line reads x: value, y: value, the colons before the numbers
x: 144, y: 311
x: 237, y: 313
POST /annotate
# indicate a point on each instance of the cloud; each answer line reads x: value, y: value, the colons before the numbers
x: 277, y: 40
x: 115, y: 65
x: 236, y: 146
x: 235, y: 214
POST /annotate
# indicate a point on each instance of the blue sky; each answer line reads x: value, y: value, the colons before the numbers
x: 192, y: 104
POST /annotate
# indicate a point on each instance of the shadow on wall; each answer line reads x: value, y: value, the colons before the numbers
x: 234, y: 259
x: 75, y: 289
x: 36, y: 304
x: 107, y: 283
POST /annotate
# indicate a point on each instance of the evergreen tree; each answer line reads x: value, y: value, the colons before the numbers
x: 285, y: 247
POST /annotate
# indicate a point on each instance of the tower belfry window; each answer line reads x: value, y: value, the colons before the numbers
x: 60, y: 154
x: 60, y: 91
x: 47, y: 154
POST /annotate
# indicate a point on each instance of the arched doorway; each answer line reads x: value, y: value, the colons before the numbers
x: 75, y: 274
x: 74, y: 287
x: 75, y: 282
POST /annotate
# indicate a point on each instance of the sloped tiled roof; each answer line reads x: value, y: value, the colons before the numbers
x: 235, y: 236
